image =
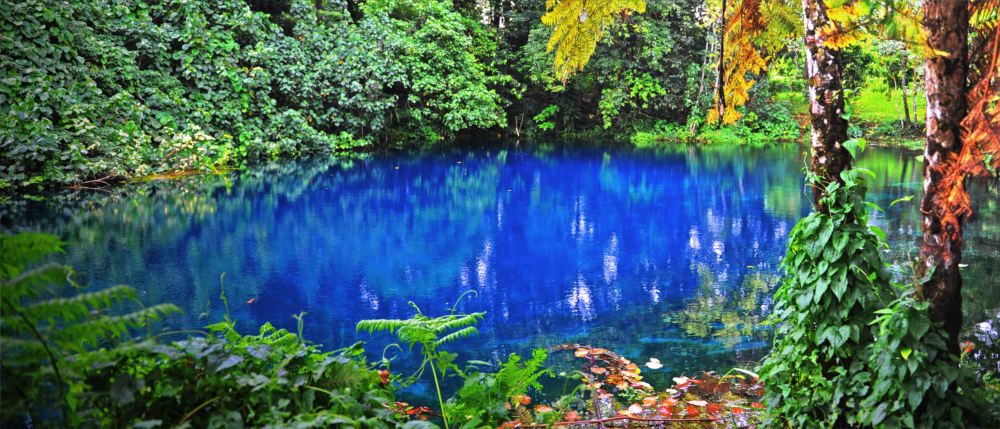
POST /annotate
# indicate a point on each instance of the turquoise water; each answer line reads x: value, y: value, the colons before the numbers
x: 671, y: 254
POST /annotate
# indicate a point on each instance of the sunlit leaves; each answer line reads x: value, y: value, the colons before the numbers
x: 578, y: 25
x: 852, y: 21
x: 755, y: 30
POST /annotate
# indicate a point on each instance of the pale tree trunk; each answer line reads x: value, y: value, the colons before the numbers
x: 826, y: 103
x: 906, y: 106
x: 946, y: 23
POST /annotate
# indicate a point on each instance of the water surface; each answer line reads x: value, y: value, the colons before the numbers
x: 671, y: 254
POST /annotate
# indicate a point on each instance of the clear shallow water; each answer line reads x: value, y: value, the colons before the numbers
x: 670, y: 254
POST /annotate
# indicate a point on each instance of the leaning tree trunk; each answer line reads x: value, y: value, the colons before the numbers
x: 946, y: 23
x: 826, y: 103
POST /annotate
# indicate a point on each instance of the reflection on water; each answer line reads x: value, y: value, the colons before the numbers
x: 671, y: 255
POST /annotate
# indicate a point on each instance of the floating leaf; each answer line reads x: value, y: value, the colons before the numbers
x: 649, y: 401
x: 713, y: 408
x: 654, y: 363
x: 665, y: 412
x: 692, y: 411
x: 635, y: 408
x: 543, y: 409
x: 581, y: 352
x: 524, y: 399
x: 698, y: 403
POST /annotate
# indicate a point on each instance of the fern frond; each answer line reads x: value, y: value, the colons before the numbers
x: 17, y: 251
x: 78, y: 307
x: 415, y: 334
x: 578, y: 25
x: 36, y: 283
x: 381, y: 325
x: 447, y: 323
x: 459, y: 334
x: 77, y: 337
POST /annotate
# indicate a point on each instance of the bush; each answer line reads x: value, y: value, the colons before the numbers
x: 134, y: 88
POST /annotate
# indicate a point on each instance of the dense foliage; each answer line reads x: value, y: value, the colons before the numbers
x: 94, y: 90
x: 848, y: 351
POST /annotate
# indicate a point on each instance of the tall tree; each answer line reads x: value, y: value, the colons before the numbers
x: 945, y: 203
x: 826, y: 101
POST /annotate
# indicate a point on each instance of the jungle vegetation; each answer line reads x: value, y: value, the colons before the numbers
x: 99, y: 91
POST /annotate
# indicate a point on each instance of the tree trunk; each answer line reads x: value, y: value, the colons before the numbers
x: 826, y: 103
x: 946, y: 23
x: 906, y: 106
x: 721, y: 85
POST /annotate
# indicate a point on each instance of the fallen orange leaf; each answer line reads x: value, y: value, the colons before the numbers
x: 524, y: 399
x: 571, y: 416
x: 251, y: 300
x: 581, y: 352
x: 649, y: 401
x: 712, y: 408
x: 692, y: 411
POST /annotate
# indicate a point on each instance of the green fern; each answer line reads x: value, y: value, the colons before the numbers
x: 43, y: 329
x: 483, y: 399
x: 430, y: 333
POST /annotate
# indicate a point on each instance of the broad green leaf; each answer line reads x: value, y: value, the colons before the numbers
x: 906, y: 353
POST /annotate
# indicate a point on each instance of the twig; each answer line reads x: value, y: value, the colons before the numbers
x: 101, y: 180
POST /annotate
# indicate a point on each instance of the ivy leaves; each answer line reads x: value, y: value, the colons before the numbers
x: 852, y: 349
x: 832, y: 287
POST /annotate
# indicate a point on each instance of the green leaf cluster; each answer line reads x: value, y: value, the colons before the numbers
x: 851, y: 349
x: 230, y: 380
x: 94, y: 90
x: 817, y: 373
x: 485, y: 397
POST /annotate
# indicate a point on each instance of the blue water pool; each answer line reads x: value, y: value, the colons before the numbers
x: 671, y: 254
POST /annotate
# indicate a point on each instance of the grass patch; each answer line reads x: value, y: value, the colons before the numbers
x: 874, y: 106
